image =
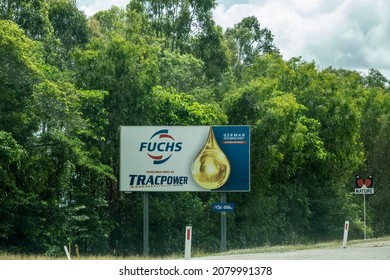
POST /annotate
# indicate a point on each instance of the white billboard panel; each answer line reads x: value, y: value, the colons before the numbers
x: 185, y: 158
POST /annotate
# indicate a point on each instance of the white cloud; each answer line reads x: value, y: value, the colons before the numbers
x: 350, y: 34
x: 99, y: 5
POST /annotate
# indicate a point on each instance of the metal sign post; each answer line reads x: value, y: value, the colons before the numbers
x: 223, y: 224
x: 146, y: 224
x: 364, y: 218
x: 223, y: 207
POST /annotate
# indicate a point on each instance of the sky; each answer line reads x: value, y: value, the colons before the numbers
x: 348, y: 34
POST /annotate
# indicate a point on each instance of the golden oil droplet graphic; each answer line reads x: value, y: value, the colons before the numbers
x: 211, y: 167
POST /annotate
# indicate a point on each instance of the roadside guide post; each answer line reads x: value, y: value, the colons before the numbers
x: 188, y: 239
x: 346, y: 228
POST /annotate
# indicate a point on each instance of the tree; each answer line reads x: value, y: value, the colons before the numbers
x: 174, y: 72
x: 175, y: 21
x: 69, y: 23
x: 247, y: 41
x: 210, y: 47
x: 188, y: 28
x: 123, y: 62
x: 10, y: 197
x: 20, y: 69
x: 374, y: 132
x: 250, y: 40
x: 104, y: 23
x: 376, y: 79
x: 284, y: 144
x: 182, y: 109
x: 69, y: 175
x: 378, y: 164
x: 31, y: 16
x: 46, y: 127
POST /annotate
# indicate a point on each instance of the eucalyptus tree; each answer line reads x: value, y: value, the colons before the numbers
x: 69, y: 24
x: 248, y: 40
x: 175, y: 21
x: 186, y: 26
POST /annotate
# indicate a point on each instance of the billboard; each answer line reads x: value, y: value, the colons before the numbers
x: 185, y: 158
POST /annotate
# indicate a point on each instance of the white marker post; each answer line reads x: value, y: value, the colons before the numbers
x: 187, y: 250
x: 67, y: 252
x: 346, y: 227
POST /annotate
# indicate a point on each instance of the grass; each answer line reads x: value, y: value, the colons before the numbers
x: 264, y: 249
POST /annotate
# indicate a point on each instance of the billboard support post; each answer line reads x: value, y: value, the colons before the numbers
x: 223, y: 224
x: 146, y: 224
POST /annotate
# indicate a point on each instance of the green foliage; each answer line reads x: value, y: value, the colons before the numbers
x: 31, y: 16
x: 51, y: 125
x: 211, y: 48
x: 285, y: 143
x: 20, y: 60
x: 174, y: 69
x: 375, y: 130
x: 67, y: 83
x: 248, y: 41
x: 69, y: 23
x: 181, y: 109
x: 175, y: 21
x: 10, y: 155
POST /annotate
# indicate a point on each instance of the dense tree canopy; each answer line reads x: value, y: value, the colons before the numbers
x: 68, y: 82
